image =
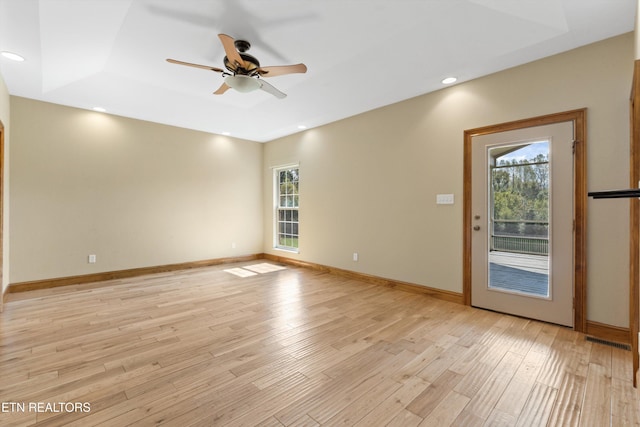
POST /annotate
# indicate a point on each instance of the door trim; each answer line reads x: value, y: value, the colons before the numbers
x: 579, y: 119
x: 634, y: 221
x: 2, y: 291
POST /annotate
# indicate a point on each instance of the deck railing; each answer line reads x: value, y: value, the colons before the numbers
x: 525, y: 245
x: 520, y: 238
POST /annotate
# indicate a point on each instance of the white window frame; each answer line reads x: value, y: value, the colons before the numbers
x: 277, y: 197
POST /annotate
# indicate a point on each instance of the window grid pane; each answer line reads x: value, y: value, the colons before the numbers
x: 288, y: 228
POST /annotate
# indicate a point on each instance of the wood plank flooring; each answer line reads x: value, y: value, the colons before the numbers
x: 294, y: 347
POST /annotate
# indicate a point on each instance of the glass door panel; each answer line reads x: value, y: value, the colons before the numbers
x: 519, y: 185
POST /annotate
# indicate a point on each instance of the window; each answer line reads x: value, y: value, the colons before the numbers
x: 287, y: 186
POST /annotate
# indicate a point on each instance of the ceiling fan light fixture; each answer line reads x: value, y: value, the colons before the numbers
x: 242, y: 84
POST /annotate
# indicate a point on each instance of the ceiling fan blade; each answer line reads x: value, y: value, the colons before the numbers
x: 205, y: 67
x: 272, y: 90
x: 280, y: 70
x: 222, y: 89
x: 228, y: 43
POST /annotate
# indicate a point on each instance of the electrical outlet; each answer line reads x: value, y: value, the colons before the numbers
x: 92, y: 259
x: 233, y: 245
x: 355, y: 256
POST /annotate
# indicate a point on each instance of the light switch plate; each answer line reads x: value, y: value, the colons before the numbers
x: 444, y: 199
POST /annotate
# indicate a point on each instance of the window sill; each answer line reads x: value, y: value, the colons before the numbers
x: 292, y: 251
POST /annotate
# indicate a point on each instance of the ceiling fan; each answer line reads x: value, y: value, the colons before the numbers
x: 244, y: 71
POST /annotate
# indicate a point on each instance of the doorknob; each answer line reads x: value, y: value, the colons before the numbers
x: 476, y: 227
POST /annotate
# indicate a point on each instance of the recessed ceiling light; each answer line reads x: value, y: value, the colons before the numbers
x: 302, y: 127
x: 12, y: 56
x: 99, y: 109
x: 226, y: 133
x: 449, y: 80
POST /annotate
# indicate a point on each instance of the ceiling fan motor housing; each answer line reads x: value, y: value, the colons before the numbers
x: 251, y: 64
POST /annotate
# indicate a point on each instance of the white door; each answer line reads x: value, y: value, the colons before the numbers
x: 522, y: 220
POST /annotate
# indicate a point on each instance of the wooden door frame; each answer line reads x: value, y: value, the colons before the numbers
x: 634, y: 219
x: 1, y: 215
x: 579, y: 119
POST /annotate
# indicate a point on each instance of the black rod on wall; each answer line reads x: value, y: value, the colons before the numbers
x: 616, y: 194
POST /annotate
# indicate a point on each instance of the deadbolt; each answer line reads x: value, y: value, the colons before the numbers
x: 477, y: 217
x: 476, y: 227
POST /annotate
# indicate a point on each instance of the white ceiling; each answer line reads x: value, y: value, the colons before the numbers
x: 361, y: 54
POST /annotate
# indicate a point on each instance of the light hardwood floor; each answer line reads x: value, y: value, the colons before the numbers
x: 295, y: 347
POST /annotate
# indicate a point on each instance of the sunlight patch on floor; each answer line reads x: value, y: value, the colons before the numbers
x: 255, y: 269
x: 241, y: 272
x: 265, y: 267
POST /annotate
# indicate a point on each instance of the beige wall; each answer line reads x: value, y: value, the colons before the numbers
x: 134, y: 193
x: 5, y: 119
x: 369, y: 183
